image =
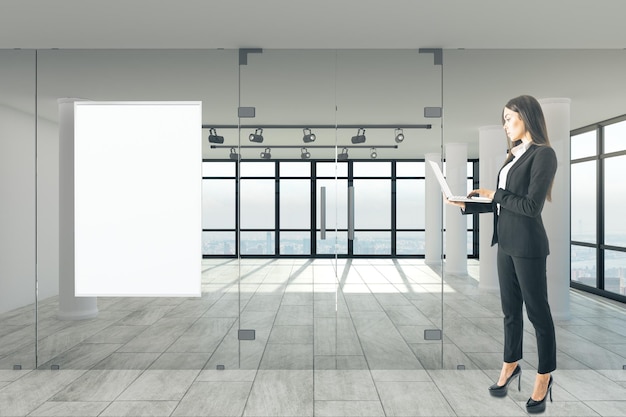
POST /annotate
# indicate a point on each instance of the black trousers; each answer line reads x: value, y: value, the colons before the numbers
x: 523, y: 280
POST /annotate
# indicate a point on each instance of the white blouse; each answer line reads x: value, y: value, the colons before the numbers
x: 517, y: 152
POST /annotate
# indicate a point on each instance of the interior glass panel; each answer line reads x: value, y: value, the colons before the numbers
x: 18, y: 188
x: 141, y: 332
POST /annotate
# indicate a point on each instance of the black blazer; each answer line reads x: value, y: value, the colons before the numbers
x: 518, y: 229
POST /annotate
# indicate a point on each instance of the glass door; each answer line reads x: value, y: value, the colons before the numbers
x: 287, y: 137
x: 393, y: 298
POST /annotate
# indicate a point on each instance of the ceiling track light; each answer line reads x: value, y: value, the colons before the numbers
x: 214, y: 138
x: 399, y: 135
x: 305, y: 154
x: 373, y: 153
x: 257, y: 136
x: 360, y: 136
x: 343, y: 156
x: 308, y: 136
x: 234, y: 155
x: 266, y: 154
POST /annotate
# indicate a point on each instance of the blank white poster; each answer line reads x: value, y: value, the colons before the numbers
x: 138, y: 198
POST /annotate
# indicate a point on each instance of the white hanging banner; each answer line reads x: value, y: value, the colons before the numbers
x: 138, y: 198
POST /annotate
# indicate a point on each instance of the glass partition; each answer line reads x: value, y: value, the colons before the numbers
x: 18, y: 219
x: 136, y: 332
x: 311, y: 233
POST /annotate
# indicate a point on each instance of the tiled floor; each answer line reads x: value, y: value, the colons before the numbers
x: 330, y: 341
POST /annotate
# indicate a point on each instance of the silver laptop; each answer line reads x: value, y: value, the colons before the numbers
x: 445, y: 188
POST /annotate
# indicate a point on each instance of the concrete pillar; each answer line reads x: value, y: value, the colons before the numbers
x: 70, y: 307
x: 491, y: 152
x: 456, y: 223
x: 434, y: 213
x: 556, y: 214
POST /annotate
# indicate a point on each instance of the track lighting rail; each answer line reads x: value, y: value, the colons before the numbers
x: 339, y: 126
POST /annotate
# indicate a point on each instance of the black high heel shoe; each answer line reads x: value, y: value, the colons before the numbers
x: 535, y: 407
x: 501, y: 390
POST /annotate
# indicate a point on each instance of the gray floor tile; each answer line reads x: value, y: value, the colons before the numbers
x: 11, y: 375
x: 349, y: 409
x: 291, y: 334
x: 97, y: 385
x: 158, y: 337
x: 69, y: 409
x: 608, y: 408
x: 123, y: 360
x: 140, y: 409
x: 412, y: 399
x: 589, y: 386
x: 401, y: 376
x: 566, y: 409
x: 294, y: 315
x: 383, y: 346
x: 29, y: 392
x: 214, y: 399
x: 179, y: 360
x: 462, y: 388
x: 281, y: 393
x: 159, y: 386
x: 116, y: 334
x: 203, y: 336
x: 335, y: 362
x: 293, y: 356
x: 344, y: 385
x: 227, y: 376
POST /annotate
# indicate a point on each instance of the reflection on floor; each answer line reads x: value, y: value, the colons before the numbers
x: 331, y: 339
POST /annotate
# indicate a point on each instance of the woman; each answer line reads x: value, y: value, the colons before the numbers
x: 524, y: 183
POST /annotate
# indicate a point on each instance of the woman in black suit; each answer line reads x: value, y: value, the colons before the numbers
x: 524, y: 184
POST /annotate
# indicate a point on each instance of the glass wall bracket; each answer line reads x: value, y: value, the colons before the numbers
x: 243, y: 54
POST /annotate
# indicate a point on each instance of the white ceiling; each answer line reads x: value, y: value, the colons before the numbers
x: 324, y: 24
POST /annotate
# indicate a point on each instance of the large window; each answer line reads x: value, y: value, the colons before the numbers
x: 281, y: 213
x: 598, y: 231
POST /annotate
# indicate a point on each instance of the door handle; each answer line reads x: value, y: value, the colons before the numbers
x: 351, y: 212
x: 323, y: 213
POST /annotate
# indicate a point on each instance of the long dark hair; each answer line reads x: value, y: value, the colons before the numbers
x: 529, y: 110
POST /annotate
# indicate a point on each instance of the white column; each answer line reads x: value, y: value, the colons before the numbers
x: 434, y: 213
x: 491, y: 152
x: 456, y: 223
x: 556, y: 214
x: 70, y: 307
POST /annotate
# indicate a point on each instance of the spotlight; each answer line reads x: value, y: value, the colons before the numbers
x: 234, y: 155
x: 343, y: 156
x: 214, y: 138
x: 257, y: 136
x: 266, y: 154
x: 360, y: 136
x: 305, y: 154
x: 373, y: 153
x: 308, y: 136
x: 399, y: 135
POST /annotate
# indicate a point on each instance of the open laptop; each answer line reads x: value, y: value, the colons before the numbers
x: 446, y: 188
